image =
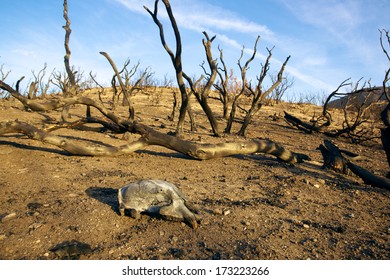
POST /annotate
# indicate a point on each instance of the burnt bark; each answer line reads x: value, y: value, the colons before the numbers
x: 122, y: 85
x: 150, y: 136
x: 70, y: 90
x: 175, y: 58
x: 333, y: 159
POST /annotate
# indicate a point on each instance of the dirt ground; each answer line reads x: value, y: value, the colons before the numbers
x: 57, y: 206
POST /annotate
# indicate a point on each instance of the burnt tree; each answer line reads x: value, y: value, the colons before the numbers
x: 175, y: 58
x: 71, y: 89
x: 257, y: 92
x: 148, y: 137
x: 202, y: 92
x: 244, y: 85
x: 385, y: 114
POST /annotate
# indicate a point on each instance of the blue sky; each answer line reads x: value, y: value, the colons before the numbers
x: 328, y: 40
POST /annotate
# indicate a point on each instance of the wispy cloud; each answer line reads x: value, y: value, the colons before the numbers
x: 337, y: 17
x: 202, y: 16
x: 206, y: 17
x: 342, y: 22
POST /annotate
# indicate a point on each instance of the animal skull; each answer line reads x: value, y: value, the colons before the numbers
x: 155, y: 197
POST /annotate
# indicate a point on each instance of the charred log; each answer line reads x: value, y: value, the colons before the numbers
x: 333, y: 159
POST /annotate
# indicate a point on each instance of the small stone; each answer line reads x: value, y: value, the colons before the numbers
x: 321, y: 181
x: 306, y: 181
x: 3, y: 236
x: 46, y: 254
x: 9, y: 217
x: 316, y: 186
x: 161, y: 233
x: 306, y: 226
x: 218, y: 211
x: 126, y: 136
x: 226, y: 212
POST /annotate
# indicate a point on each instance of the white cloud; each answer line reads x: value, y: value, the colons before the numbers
x: 202, y: 16
x: 26, y: 53
x: 337, y: 17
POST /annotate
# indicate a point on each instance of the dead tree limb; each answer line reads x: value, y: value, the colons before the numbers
x: 202, y: 92
x: 333, y: 159
x: 223, y: 86
x: 258, y: 94
x: 150, y: 136
x: 356, y: 107
x: 56, y: 103
x: 385, y: 114
x: 71, y: 90
x: 123, y: 87
x: 175, y: 58
x: 244, y: 85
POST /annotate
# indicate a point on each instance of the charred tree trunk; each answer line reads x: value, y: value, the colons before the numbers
x: 333, y: 159
x: 151, y: 137
x: 385, y: 133
x: 236, y: 98
x: 71, y: 89
x: 148, y: 135
x: 122, y: 85
x: 175, y: 58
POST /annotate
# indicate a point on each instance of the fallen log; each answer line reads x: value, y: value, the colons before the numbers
x: 149, y: 136
x: 333, y: 159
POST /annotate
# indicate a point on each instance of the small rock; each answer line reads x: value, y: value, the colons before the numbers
x: 71, y: 249
x: 34, y: 226
x: 246, y: 223
x: 3, y: 236
x: 161, y: 233
x: 316, y: 186
x: 321, y: 181
x: 218, y: 211
x: 306, y: 181
x: 226, y: 212
x: 8, y: 217
x: 126, y: 136
x: 306, y: 226
x: 34, y: 206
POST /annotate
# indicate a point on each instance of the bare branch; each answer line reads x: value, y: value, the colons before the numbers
x: 175, y: 58
x: 123, y: 87
x: 68, y: 31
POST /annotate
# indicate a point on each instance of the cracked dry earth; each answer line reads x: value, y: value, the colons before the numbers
x: 57, y: 206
